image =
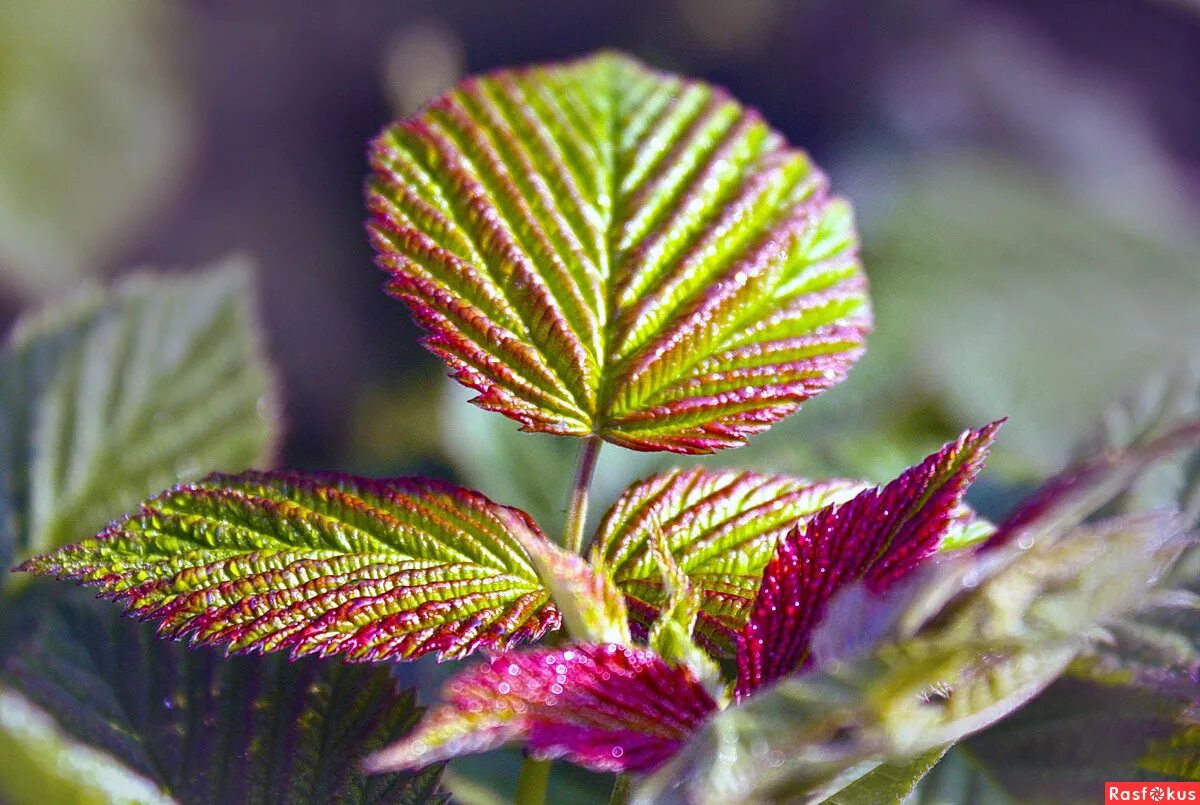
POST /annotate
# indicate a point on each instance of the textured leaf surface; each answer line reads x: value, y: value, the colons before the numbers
x: 1011, y: 630
x: 197, y: 728
x: 604, y: 707
x: 878, y: 537
x: 120, y: 395
x: 319, y: 564
x: 596, y: 247
x: 720, y: 527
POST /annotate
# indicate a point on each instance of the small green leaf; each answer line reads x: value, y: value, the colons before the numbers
x: 599, y: 248
x: 889, y: 782
x: 1177, y: 755
x: 320, y: 564
x: 149, y: 721
x: 592, y: 607
x: 671, y: 635
x: 111, y: 398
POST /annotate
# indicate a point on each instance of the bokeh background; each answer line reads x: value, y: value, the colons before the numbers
x: 1026, y: 175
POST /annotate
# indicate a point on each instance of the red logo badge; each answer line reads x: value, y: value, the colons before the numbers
x: 1151, y: 792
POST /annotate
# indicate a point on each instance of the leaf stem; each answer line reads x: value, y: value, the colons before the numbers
x: 531, y: 784
x: 535, y: 774
x: 578, y: 504
x: 620, y: 791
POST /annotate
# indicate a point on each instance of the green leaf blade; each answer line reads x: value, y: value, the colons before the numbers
x: 598, y: 248
x: 320, y: 564
x: 106, y: 400
x: 191, y: 726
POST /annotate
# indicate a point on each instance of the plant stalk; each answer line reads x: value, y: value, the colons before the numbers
x: 578, y: 505
x: 531, y: 784
x: 535, y: 774
x: 620, y: 791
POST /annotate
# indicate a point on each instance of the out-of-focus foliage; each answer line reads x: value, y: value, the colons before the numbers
x: 118, y: 394
x: 94, y: 124
x: 95, y: 710
x: 1001, y: 296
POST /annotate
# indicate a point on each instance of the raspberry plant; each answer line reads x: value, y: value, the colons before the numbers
x: 614, y: 254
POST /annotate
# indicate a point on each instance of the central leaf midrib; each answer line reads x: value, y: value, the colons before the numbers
x: 613, y: 96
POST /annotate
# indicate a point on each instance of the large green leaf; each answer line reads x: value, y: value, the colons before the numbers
x: 598, y: 248
x: 97, y: 711
x: 320, y: 564
x: 115, y: 396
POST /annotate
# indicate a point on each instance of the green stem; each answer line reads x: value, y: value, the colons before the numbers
x: 535, y: 774
x: 531, y: 784
x: 620, y: 792
x: 578, y: 505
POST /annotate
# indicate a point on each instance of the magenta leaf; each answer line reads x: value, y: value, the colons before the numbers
x: 320, y: 564
x: 606, y: 707
x: 877, y: 537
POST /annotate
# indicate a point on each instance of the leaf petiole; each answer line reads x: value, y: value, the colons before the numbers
x: 578, y: 504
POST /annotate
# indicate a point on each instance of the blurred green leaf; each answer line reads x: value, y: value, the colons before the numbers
x: 890, y: 782
x: 1057, y: 750
x: 94, y: 126
x: 117, y: 395
x: 1000, y: 295
x: 141, y: 719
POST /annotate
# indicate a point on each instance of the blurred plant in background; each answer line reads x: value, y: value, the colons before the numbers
x: 1028, y: 178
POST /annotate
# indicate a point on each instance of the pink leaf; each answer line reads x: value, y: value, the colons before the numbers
x: 878, y: 537
x: 606, y: 707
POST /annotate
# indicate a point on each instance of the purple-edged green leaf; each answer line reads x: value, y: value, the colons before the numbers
x: 605, y: 707
x: 108, y: 703
x: 878, y: 537
x: 116, y: 395
x: 320, y: 564
x: 720, y: 527
x: 599, y: 248
x: 592, y: 608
